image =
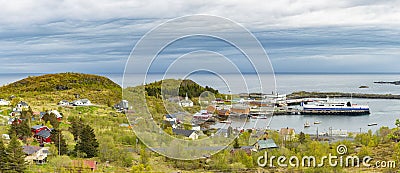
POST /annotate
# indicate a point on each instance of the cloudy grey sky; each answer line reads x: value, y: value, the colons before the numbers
x: 97, y: 36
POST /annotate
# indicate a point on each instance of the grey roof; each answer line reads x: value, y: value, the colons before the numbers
x: 85, y: 101
x: 43, y: 134
x: 170, y: 116
x: 29, y: 150
x: 183, y: 132
x: 23, y: 103
x: 37, y: 127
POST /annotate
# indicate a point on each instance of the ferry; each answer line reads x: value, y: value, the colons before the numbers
x: 334, y: 108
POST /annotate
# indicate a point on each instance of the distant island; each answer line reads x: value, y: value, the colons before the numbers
x: 384, y: 82
x: 305, y: 94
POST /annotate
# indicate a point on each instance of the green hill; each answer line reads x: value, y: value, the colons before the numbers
x: 52, y: 88
x: 189, y: 87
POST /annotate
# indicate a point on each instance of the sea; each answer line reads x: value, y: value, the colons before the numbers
x: 384, y: 112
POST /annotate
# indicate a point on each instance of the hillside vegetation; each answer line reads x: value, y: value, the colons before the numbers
x: 64, y: 86
x: 189, y: 87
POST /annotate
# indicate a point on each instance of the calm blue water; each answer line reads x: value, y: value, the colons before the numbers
x: 383, y: 112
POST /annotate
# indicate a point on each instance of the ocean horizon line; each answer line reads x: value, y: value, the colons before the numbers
x: 158, y: 73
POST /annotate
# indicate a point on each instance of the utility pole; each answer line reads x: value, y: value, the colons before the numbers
x: 59, y: 141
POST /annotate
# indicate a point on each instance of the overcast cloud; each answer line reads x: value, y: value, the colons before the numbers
x: 300, y: 36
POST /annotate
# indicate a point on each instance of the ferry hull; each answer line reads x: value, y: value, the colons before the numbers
x: 335, y: 112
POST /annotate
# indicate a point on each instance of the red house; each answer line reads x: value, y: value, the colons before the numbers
x: 41, y: 133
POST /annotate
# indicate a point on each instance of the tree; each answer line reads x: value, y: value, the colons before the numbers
x: 87, y: 142
x: 52, y: 119
x: 302, y: 138
x: 3, y: 157
x: 21, y: 130
x: 76, y: 128
x: 236, y: 143
x: 58, y: 138
x: 16, y: 156
x: 397, y: 123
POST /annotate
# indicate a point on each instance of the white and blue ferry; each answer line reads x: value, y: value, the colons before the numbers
x: 334, y: 108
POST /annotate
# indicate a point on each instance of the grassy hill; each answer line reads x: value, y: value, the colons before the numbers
x: 51, y: 88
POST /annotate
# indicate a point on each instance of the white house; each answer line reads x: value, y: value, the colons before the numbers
x: 20, y: 106
x: 36, y: 154
x: 4, y: 102
x: 186, y: 102
x: 56, y: 113
x: 63, y: 103
x: 82, y: 102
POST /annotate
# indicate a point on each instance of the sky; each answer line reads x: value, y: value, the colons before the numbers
x: 97, y: 36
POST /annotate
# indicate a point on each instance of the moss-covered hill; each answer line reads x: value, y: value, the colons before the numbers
x: 51, y: 88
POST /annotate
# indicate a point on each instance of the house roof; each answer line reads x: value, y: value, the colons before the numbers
x: 170, y: 116
x: 56, y: 113
x: 37, y: 127
x: 85, y: 101
x: 88, y: 163
x: 266, y: 144
x: 44, y: 134
x: 183, y: 132
x: 29, y: 150
x: 23, y: 103
x: 186, y: 101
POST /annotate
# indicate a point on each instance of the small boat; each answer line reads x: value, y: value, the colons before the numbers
x: 372, y: 124
x: 317, y: 122
x: 307, y: 124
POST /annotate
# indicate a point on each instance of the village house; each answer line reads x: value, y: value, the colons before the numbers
x: 85, y: 164
x: 264, y: 144
x: 41, y: 133
x: 82, y: 102
x: 170, y: 120
x: 191, y: 134
x: 288, y: 134
x: 202, y: 115
x: 35, y: 154
x: 14, y: 121
x: 240, y: 109
x: 4, y: 102
x: 57, y: 114
x: 223, y: 113
x: 5, y: 137
x: 21, y: 106
x: 122, y: 106
x: 186, y: 102
x: 63, y: 103
x: 211, y: 109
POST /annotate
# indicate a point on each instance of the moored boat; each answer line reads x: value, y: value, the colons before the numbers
x: 307, y: 124
x: 334, y: 108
